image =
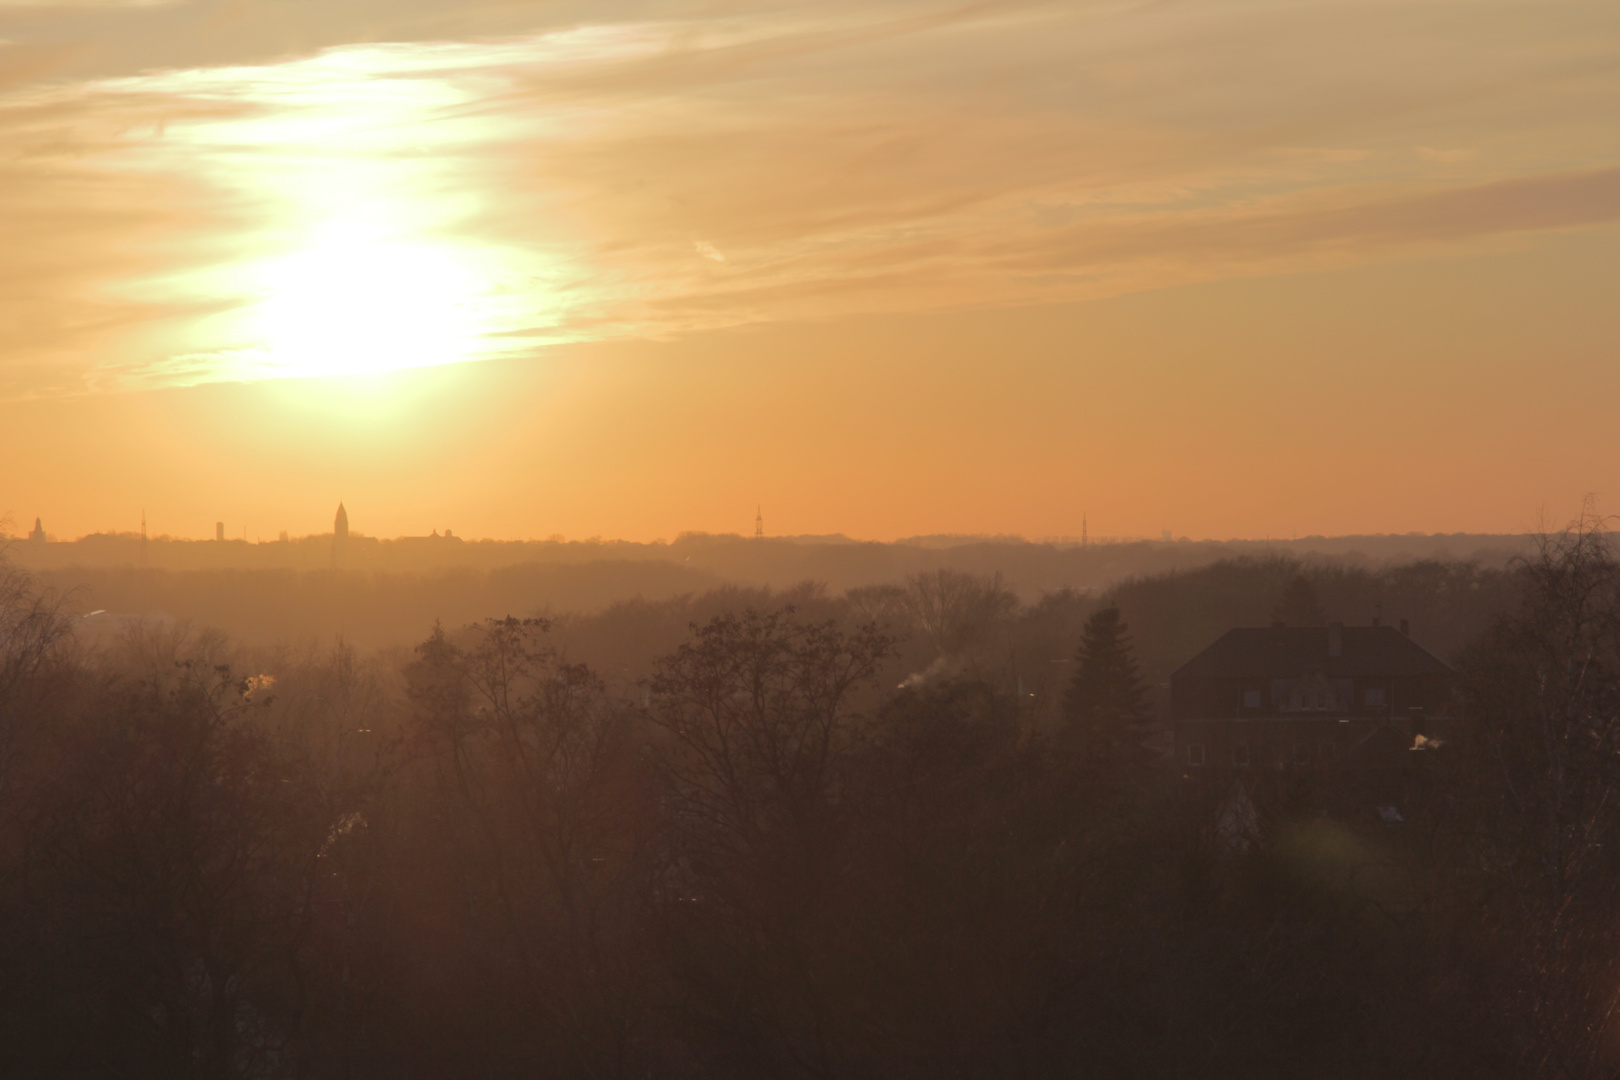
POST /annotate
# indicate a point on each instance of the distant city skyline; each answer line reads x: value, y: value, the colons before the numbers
x: 341, y: 531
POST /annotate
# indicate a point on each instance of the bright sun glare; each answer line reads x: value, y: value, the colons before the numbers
x: 356, y: 304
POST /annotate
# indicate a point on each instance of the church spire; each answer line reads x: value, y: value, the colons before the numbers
x: 340, y: 535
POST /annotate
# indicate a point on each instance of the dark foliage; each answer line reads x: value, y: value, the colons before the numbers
x: 907, y: 832
x: 1105, y: 705
x: 1299, y: 605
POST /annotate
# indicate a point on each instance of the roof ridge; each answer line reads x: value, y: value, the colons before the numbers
x: 1280, y: 651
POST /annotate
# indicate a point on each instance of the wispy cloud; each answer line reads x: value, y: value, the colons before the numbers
x: 83, y: 4
x: 654, y: 177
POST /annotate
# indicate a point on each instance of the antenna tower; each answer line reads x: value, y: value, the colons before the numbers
x: 1082, y: 528
x: 143, y: 536
x: 759, y: 523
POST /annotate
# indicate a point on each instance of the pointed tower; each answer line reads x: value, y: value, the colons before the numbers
x: 38, y: 535
x: 340, y: 535
x: 759, y: 523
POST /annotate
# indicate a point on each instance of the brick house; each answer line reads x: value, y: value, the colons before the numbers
x: 1308, y: 697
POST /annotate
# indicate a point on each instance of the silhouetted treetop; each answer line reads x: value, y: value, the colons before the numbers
x: 1106, y: 702
x: 1299, y: 605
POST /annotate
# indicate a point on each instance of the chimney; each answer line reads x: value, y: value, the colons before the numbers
x: 1406, y: 628
x: 1335, y: 639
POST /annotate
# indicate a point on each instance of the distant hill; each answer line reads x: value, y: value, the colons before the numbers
x: 389, y: 592
x: 837, y: 560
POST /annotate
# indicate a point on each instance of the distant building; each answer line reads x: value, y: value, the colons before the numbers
x: 433, y: 541
x: 340, y: 535
x: 38, y: 535
x: 1293, y: 697
x: 219, y: 531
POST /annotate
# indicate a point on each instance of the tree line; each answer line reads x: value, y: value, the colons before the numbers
x: 795, y: 835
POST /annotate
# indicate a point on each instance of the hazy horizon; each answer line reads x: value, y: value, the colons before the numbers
x: 16, y: 531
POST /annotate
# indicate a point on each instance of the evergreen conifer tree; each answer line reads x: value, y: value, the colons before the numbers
x: 1106, y: 702
x: 1299, y: 605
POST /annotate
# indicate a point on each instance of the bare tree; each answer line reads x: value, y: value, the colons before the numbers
x: 756, y: 708
x: 32, y: 631
x: 757, y: 704
x: 540, y: 794
x: 957, y: 611
x: 1541, y: 827
x: 177, y: 851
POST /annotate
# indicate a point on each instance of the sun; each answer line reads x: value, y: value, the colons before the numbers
x: 352, y: 303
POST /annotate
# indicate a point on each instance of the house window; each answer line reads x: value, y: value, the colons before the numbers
x: 1240, y: 755
x: 1251, y: 699
x: 1328, y: 751
x: 1195, y: 753
x: 1312, y: 694
x: 1374, y: 697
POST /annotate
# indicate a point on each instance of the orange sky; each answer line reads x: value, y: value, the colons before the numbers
x: 1231, y: 269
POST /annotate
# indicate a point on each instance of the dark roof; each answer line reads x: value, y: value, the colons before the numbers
x: 1287, y: 651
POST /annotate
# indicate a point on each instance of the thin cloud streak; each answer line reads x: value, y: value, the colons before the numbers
x: 656, y: 178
